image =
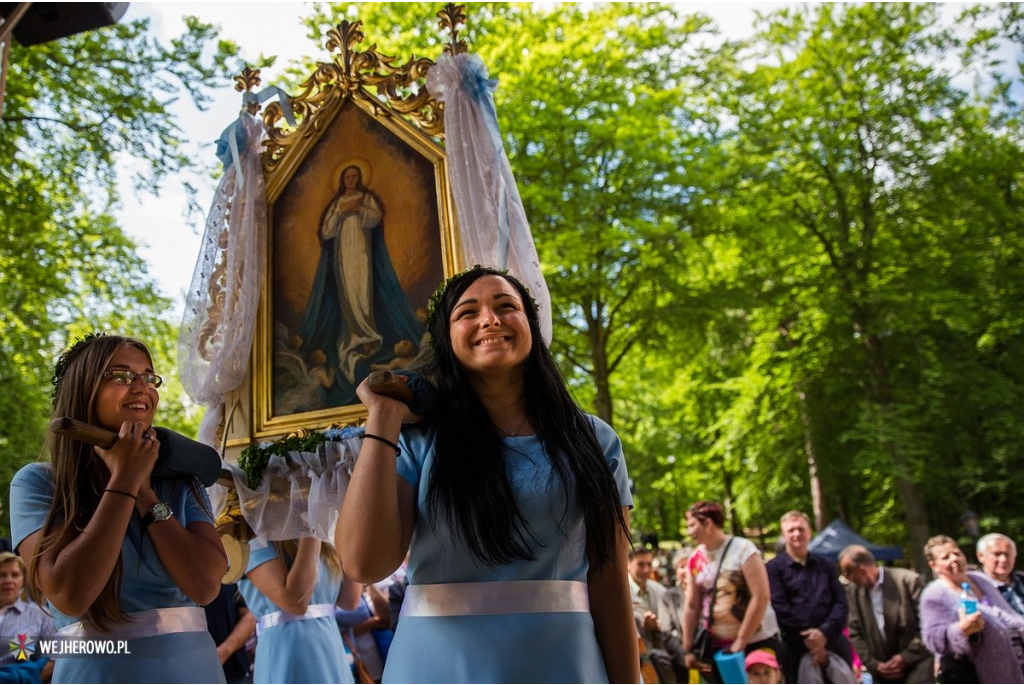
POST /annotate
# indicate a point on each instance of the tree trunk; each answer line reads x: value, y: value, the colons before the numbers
x: 880, y: 394
x: 730, y: 513
x: 817, y: 491
x: 599, y: 353
x: 663, y: 515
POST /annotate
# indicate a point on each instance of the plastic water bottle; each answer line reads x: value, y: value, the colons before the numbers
x: 968, y: 603
x: 866, y: 678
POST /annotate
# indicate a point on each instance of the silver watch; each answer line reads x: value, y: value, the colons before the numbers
x: 160, y: 511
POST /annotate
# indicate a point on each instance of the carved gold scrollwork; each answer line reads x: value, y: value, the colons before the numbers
x: 451, y: 17
x: 248, y: 81
x: 235, y: 534
x: 377, y: 80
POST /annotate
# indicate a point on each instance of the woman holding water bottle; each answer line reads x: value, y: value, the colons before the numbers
x: 967, y: 623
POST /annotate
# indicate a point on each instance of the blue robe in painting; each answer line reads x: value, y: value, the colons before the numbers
x: 323, y: 324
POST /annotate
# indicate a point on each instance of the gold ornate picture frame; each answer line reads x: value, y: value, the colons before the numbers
x: 361, y: 230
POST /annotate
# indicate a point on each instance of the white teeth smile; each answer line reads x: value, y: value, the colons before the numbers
x: 491, y: 341
x: 135, y: 406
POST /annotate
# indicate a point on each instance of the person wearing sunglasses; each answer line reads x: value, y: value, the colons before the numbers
x: 118, y: 553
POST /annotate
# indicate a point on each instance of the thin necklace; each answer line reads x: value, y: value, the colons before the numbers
x: 514, y: 433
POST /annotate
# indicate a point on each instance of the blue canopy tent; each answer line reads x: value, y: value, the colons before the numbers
x: 837, y: 535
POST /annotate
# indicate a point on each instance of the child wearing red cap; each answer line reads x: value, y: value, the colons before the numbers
x: 763, y: 667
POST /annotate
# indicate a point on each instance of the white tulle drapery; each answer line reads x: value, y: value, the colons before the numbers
x: 492, y: 221
x: 216, y: 334
x: 300, y: 493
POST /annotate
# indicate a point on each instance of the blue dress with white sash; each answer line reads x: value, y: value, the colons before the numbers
x: 181, y: 657
x: 306, y: 651
x: 544, y: 647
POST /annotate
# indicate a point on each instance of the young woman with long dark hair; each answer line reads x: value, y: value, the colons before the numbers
x: 512, y: 501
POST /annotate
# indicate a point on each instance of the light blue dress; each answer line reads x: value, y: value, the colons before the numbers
x: 502, y: 648
x: 307, y: 651
x: 145, y: 584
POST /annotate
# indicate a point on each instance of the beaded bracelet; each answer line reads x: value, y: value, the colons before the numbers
x: 396, y: 448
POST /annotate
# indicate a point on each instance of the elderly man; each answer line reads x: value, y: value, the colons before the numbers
x: 883, y: 619
x: 809, y: 601
x: 998, y: 556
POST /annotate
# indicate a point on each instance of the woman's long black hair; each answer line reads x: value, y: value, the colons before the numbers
x: 468, y: 486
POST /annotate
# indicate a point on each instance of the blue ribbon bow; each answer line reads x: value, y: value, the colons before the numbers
x: 233, y: 138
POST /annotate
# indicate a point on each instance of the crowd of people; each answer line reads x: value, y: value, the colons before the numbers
x: 510, y: 504
x: 802, y: 618
x: 505, y: 509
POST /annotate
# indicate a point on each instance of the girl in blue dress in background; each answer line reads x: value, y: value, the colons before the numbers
x: 292, y: 588
x: 116, y: 551
x: 512, y: 502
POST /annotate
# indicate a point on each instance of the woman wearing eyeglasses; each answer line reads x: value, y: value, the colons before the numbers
x: 118, y: 553
x: 728, y: 592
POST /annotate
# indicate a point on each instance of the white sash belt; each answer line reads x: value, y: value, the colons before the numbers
x: 148, y: 623
x: 502, y: 597
x: 276, y: 618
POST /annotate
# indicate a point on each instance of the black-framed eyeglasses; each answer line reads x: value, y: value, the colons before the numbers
x: 126, y: 377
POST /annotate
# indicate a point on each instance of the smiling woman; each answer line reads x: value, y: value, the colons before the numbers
x: 518, y: 499
x: 984, y: 646
x: 115, y: 550
x: 491, y: 339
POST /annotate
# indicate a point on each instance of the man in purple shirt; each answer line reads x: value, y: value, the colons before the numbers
x: 809, y: 601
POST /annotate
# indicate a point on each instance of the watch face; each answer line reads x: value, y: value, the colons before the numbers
x: 161, y: 511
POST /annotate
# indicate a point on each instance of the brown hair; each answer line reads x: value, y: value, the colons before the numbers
x: 287, y: 549
x: 937, y: 541
x: 742, y: 599
x: 705, y: 510
x: 78, y: 474
x: 634, y: 552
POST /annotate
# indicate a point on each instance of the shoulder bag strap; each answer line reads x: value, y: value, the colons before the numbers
x: 710, y: 618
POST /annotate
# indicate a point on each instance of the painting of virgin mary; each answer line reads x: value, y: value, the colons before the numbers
x: 356, y: 312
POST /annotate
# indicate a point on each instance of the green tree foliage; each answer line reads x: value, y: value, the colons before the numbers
x: 593, y: 107
x: 591, y: 104
x: 793, y: 264
x: 76, y: 110
x: 845, y: 126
